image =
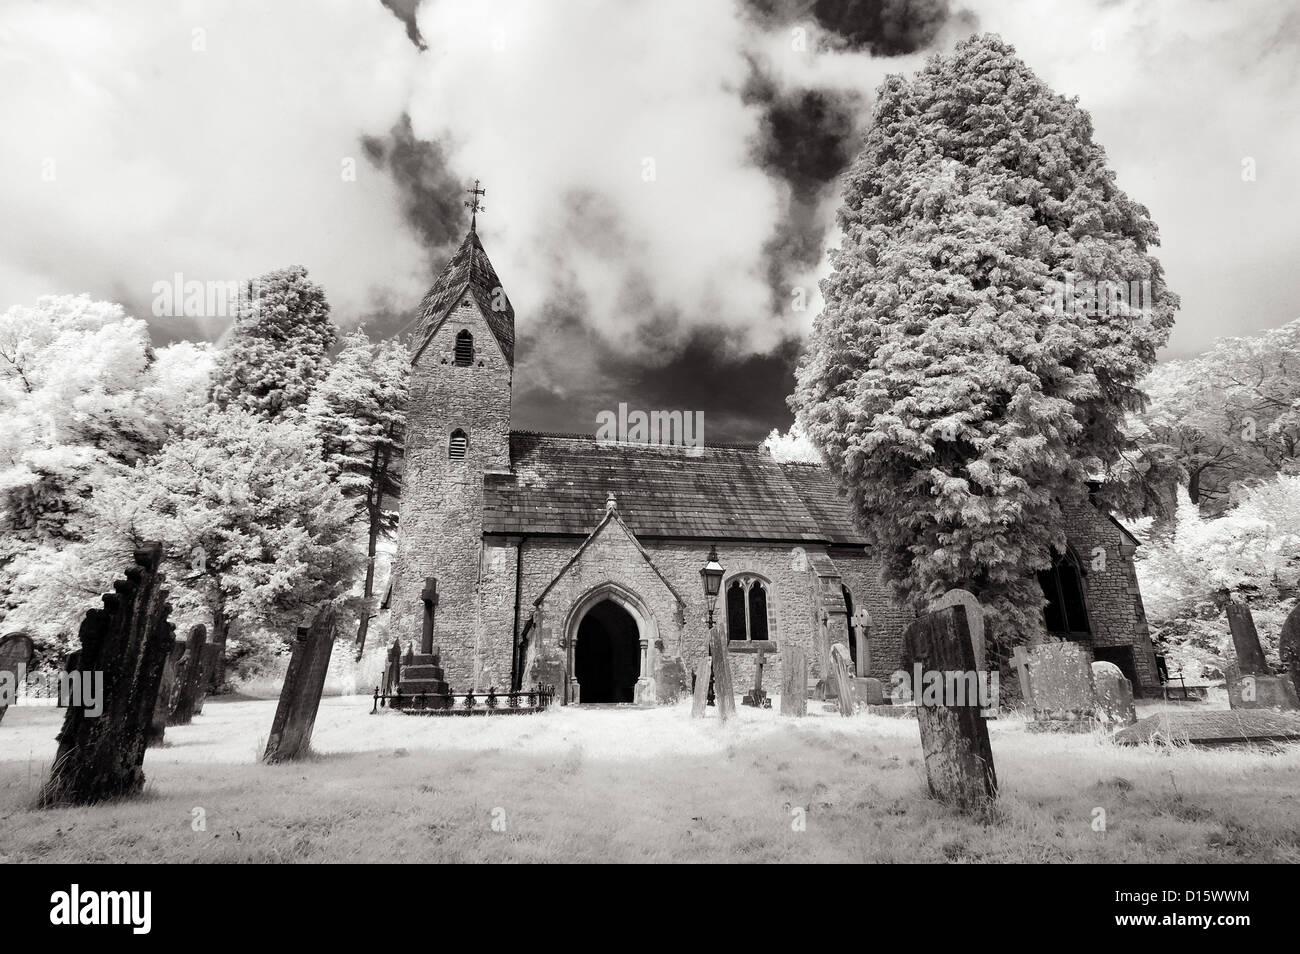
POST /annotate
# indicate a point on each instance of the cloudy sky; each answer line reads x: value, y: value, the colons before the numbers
x: 660, y: 176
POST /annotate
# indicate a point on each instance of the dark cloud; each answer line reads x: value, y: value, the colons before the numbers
x: 881, y: 27
x: 405, y: 10
x: 431, y: 195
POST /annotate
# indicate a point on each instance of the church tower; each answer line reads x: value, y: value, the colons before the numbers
x: 457, y: 430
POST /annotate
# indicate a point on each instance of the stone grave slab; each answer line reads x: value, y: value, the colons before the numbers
x: 1230, y: 727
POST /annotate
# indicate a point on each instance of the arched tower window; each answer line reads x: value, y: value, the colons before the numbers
x: 458, y: 444
x: 747, y: 610
x: 1066, y: 613
x: 465, y: 348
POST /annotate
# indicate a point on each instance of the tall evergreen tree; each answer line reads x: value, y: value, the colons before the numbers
x: 959, y: 397
x: 279, y: 349
x: 359, y: 413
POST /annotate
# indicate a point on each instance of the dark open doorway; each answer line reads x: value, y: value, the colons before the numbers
x: 607, y: 658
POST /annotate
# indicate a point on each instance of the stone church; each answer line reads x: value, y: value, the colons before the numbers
x: 561, y: 559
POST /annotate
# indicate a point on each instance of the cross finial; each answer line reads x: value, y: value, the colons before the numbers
x: 474, y: 206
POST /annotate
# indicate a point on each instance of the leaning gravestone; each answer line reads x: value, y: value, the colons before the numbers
x: 841, y: 667
x: 794, y: 682
x: 1288, y: 647
x: 954, y: 738
x: 1251, y: 683
x: 304, y: 682
x: 700, y: 694
x: 722, y: 684
x: 1114, y: 695
x: 212, y: 663
x: 127, y: 643
x: 162, y: 708
x: 1063, y: 695
x: 191, y: 684
x: 15, y: 653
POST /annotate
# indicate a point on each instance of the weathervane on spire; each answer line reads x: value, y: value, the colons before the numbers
x: 474, y: 206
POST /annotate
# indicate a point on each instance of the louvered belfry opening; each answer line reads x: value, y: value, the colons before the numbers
x: 458, y: 445
x: 464, y: 348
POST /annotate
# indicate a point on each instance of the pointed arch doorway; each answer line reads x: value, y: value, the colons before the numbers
x: 607, y: 654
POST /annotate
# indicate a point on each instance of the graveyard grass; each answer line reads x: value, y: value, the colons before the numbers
x: 620, y: 784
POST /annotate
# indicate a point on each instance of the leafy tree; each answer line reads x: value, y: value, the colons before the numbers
x: 359, y: 413
x: 82, y: 395
x: 279, y: 348
x: 1228, y: 417
x: 251, y: 519
x: 951, y: 389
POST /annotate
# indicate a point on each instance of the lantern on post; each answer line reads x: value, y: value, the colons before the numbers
x: 711, y: 579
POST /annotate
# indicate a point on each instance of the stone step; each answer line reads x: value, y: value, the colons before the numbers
x: 421, y: 672
x: 423, y: 686
x: 424, y: 659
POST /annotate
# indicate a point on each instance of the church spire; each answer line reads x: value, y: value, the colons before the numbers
x: 474, y: 206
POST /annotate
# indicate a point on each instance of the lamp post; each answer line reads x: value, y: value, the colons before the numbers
x: 711, y: 578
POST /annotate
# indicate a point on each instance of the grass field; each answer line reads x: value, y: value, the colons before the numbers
x: 615, y: 784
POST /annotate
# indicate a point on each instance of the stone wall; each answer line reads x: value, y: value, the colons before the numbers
x: 441, y: 513
x: 1115, y: 609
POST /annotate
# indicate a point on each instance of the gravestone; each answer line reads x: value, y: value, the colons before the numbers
x: 841, y: 680
x: 162, y: 708
x: 974, y: 617
x: 794, y: 681
x: 954, y: 738
x: 304, y: 681
x: 756, y: 697
x: 16, y: 651
x: 1114, y: 695
x: 393, y: 668
x: 700, y: 693
x: 1251, y: 683
x: 1288, y: 647
x: 1245, y: 641
x: 861, y: 624
x: 869, y: 692
x: 191, y: 678
x: 15, y: 654
x: 211, y: 666
x: 723, y: 688
x: 671, y: 680
x: 1063, y: 695
x: 126, y: 643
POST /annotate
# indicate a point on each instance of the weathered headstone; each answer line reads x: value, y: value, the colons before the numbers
x: 304, y: 682
x: 723, y: 688
x: 756, y: 697
x: 393, y: 668
x: 700, y: 694
x: 1114, y: 695
x: 15, y: 654
x: 125, y: 644
x: 1064, y: 698
x: 794, y: 681
x: 671, y: 679
x: 1288, y: 647
x: 841, y: 678
x: 954, y: 738
x: 869, y: 692
x: 162, y: 708
x: 212, y: 658
x: 1245, y: 641
x: 191, y: 681
x: 1020, y: 659
x: 861, y: 623
x: 974, y: 617
x: 1251, y: 683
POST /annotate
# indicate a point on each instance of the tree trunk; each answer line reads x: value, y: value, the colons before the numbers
x: 954, y: 738
x: 374, y: 497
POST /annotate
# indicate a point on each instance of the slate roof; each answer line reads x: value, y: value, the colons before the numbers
x: 469, y: 269
x: 561, y: 481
